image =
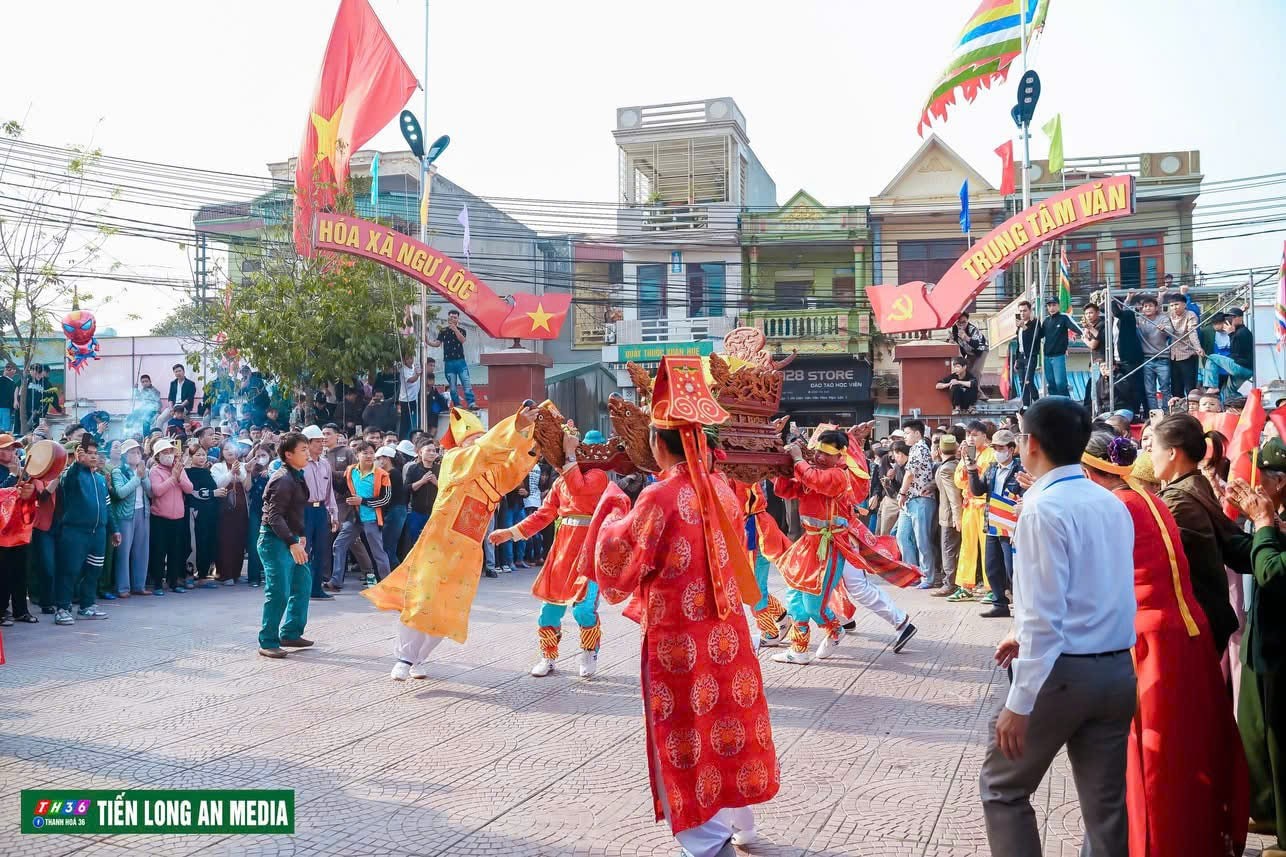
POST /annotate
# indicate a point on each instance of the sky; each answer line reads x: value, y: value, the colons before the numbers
x: 831, y: 92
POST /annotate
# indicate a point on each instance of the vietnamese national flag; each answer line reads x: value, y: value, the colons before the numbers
x: 364, y: 83
x: 1246, y: 437
x: 536, y: 316
x: 1006, y: 152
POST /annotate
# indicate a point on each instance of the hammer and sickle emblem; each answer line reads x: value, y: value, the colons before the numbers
x: 901, y: 309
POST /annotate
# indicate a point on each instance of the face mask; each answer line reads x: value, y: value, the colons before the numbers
x: 166, y: 460
x: 131, y: 458
x: 1003, y: 456
x: 263, y: 461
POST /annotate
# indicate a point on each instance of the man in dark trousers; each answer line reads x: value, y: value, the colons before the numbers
x: 1073, y: 679
x: 1054, y: 330
x: 182, y: 389
x: 1241, y: 342
x: 86, y: 529
x: 1129, y: 355
x: 282, y: 549
x: 1024, y: 364
x: 961, y: 385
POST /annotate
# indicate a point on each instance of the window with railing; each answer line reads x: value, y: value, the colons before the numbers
x: 596, y: 303
x: 791, y: 294
x: 689, y: 171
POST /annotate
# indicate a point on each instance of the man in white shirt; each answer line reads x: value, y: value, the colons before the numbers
x: 1072, y: 680
x: 408, y: 396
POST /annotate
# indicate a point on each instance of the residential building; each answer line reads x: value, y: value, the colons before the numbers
x: 808, y: 267
x: 915, y: 232
x: 686, y: 173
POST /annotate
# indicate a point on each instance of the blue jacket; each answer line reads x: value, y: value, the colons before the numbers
x: 83, y: 501
x: 124, y: 483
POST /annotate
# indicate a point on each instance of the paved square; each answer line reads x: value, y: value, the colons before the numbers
x: 880, y: 752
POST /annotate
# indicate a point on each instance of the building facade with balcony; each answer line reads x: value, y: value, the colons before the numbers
x: 687, y: 173
x: 807, y: 267
x: 915, y: 234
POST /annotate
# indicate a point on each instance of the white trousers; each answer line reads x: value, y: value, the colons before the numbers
x: 863, y: 592
x: 413, y: 646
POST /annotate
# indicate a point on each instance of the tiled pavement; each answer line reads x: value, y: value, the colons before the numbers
x: 880, y: 752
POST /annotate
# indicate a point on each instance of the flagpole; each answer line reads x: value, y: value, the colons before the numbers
x: 1026, y: 130
x: 426, y: 177
x: 1254, y: 362
x: 1109, y: 346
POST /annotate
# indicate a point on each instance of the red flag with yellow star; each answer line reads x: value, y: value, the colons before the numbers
x: 536, y: 316
x: 364, y: 83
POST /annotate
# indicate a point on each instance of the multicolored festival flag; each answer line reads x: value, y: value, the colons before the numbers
x: 1006, y: 152
x: 1064, y: 281
x: 363, y: 84
x: 1280, y: 310
x: 988, y: 45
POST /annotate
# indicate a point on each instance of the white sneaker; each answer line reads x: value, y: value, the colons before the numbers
x: 504, y: 569
x: 419, y: 671
x: 543, y: 667
x: 401, y: 671
x: 588, y: 664
x: 793, y: 657
x: 229, y: 583
x: 64, y: 617
x: 827, y: 648
x: 91, y: 613
x: 744, y: 838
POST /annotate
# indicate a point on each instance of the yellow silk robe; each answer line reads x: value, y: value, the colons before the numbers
x: 973, y: 524
x: 434, y: 588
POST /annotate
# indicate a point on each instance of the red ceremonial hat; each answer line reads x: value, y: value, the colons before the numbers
x: 681, y: 397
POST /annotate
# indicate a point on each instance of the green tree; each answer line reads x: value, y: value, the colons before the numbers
x: 47, y: 237
x: 325, y: 318
x: 196, y: 321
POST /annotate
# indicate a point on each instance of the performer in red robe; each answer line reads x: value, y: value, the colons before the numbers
x: 1186, y: 783
x: 710, y: 743
x: 834, y: 547
x: 571, y: 502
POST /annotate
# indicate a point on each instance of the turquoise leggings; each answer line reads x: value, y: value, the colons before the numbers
x: 585, y: 611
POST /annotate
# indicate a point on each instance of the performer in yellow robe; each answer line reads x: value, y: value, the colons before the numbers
x: 433, y: 588
x: 973, y: 529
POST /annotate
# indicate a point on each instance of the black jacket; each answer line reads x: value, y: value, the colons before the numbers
x: 1053, y: 333
x: 1241, y: 347
x: 1129, y: 348
x: 185, y: 395
x: 284, y: 501
x: 1210, y: 542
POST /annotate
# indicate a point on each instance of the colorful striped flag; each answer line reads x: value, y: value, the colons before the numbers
x: 1281, y: 301
x: 1002, y: 515
x: 1064, y: 281
x: 987, y: 46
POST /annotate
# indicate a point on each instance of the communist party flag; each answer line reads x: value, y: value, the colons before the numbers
x: 1245, y: 438
x: 364, y: 83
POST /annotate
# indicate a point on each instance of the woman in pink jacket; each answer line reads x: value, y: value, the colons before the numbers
x: 169, y: 518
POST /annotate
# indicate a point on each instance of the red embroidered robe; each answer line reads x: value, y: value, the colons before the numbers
x: 704, y: 706
x: 576, y: 493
